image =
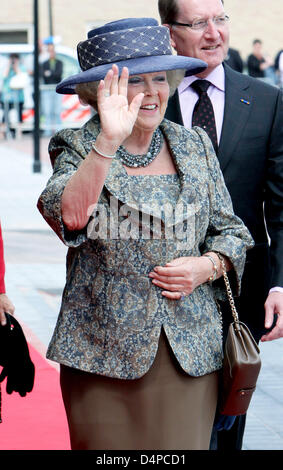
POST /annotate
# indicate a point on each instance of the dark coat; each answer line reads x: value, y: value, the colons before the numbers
x: 251, y: 158
x: 52, y: 75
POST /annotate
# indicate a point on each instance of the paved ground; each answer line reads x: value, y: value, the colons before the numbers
x: 35, y: 273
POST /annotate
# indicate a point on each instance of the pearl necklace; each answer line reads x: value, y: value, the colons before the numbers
x: 137, y: 161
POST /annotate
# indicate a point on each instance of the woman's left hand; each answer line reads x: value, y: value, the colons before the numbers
x: 181, y: 276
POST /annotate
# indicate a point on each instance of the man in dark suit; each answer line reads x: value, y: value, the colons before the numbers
x: 249, y: 123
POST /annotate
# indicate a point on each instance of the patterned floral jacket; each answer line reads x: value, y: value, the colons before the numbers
x: 111, y: 314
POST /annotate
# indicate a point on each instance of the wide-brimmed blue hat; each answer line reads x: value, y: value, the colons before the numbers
x: 140, y: 44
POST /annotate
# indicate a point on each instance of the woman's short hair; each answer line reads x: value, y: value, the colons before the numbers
x: 87, y: 92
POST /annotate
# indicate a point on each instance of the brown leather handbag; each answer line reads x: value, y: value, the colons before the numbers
x: 241, y: 363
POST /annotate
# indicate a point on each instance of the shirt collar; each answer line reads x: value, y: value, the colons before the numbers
x: 216, y: 77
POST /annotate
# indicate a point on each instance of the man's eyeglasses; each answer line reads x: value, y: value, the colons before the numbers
x: 201, y: 25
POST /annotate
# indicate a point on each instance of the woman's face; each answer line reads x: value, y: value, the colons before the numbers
x: 156, y: 93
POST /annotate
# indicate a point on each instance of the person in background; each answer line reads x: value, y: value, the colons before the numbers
x: 141, y: 204
x: 248, y: 117
x: 278, y: 65
x: 234, y: 60
x: 6, y: 305
x: 12, y: 96
x: 43, y: 56
x: 260, y: 65
x: 51, y: 72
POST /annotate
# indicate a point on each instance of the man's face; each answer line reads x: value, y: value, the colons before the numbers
x: 210, y: 44
x: 51, y: 50
x: 257, y: 48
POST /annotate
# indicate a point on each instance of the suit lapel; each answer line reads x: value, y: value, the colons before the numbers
x: 238, y: 106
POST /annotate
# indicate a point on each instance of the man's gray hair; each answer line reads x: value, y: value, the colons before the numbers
x: 168, y: 10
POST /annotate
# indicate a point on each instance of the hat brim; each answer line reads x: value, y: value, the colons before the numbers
x: 136, y: 66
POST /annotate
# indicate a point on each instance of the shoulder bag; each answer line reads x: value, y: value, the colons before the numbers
x: 241, y: 362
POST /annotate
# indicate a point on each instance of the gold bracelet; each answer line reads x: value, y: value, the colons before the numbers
x: 215, y: 270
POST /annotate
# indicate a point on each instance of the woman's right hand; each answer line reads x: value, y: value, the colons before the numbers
x: 117, y: 116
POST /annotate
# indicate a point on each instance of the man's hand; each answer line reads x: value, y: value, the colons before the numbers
x: 273, y: 306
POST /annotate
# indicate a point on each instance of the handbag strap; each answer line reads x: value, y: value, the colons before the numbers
x: 228, y: 289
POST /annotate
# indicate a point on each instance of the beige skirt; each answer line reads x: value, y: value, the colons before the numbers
x: 166, y: 409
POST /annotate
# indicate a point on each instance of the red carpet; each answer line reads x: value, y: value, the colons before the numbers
x: 36, y: 421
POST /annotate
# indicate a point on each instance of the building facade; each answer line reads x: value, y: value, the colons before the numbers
x: 71, y: 19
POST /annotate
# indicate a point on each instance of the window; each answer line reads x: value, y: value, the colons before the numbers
x: 14, y: 37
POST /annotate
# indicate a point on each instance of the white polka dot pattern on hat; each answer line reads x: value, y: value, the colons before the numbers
x: 122, y: 45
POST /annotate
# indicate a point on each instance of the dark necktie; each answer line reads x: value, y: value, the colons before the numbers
x: 203, y: 114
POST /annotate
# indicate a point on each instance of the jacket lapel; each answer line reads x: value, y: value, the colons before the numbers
x: 117, y: 181
x: 238, y: 106
x: 187, y: 204
x: 119, y: 184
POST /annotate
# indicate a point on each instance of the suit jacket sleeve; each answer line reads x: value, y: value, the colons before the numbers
x: 274, y: 196
x: 2, y: 265
x: 226, y: 233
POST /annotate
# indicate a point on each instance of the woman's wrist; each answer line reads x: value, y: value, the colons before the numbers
x: 214, y: 265
x: 100, y: 153
x: 104, y: 147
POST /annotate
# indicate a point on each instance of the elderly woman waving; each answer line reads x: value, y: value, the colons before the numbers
x: 143, y: 208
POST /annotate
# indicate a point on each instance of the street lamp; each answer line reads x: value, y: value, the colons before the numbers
x: 50, y: 18
x: 36, y: 130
